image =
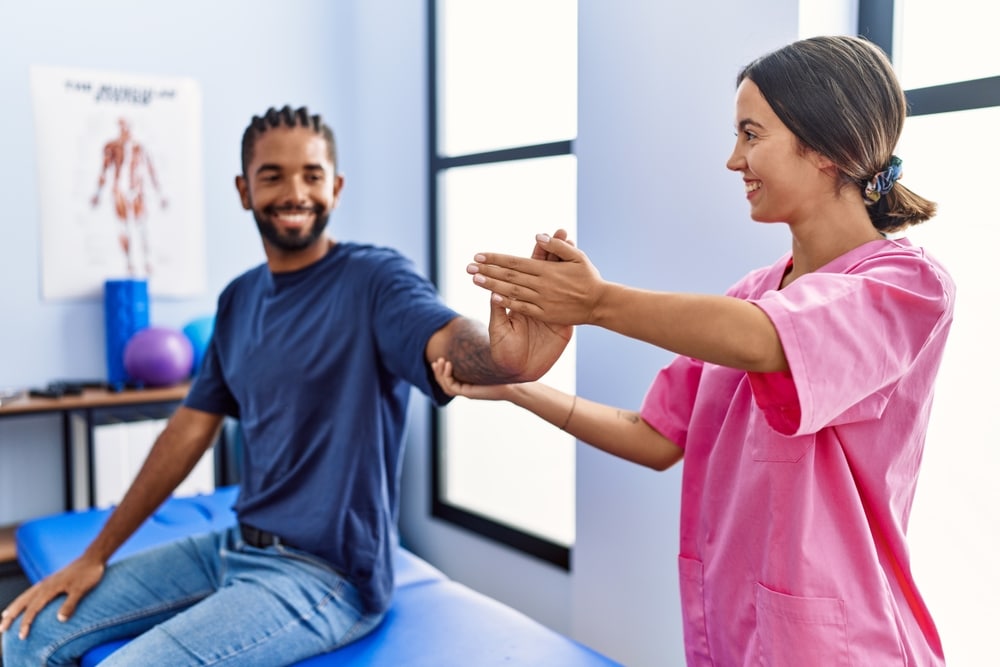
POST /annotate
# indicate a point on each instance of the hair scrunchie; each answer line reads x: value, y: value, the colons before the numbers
x: 883, y: 181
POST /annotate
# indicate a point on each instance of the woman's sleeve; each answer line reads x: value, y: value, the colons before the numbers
x: 848, y: 339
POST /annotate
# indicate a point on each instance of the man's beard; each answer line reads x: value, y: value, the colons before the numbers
x: 292, y: 242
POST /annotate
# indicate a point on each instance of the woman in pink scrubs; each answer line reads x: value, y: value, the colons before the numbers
x: 799, y: 400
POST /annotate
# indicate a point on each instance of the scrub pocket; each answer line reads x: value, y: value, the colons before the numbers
x: 693, y: 603
x: 795, y: 631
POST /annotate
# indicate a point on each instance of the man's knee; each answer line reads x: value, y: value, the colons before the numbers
x: 19, y: 652
x: 37, y: 648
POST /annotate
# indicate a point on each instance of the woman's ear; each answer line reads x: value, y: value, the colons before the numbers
x: 824, y: 164
x: 821, y: 161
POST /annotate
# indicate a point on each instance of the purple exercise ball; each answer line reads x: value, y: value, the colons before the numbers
x: 158, y: 356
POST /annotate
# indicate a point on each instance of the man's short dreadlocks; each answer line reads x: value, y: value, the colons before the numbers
x: 285, y: 117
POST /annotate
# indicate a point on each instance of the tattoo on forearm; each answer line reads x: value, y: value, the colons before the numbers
x: 631, y: 417
x: 469, y: 352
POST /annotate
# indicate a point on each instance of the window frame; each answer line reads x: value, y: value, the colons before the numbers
x: 532, y: 545
x: 876, y: 21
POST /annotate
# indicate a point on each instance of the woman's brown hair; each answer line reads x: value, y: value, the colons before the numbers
x: 841, y: 98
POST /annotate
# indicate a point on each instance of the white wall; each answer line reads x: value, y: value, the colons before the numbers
x: 828, y: 18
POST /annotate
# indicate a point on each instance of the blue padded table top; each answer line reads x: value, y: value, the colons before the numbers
x: 445, y: 624
x: 433, y: 621
x: 49, y: 543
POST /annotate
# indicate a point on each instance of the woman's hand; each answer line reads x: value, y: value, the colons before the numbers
x: 443, y: 374
x: 565, y: 292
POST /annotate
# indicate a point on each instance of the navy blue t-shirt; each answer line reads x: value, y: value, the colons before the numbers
x: 317, y: 365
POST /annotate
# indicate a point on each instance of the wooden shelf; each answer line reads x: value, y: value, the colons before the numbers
x: 78, y: 413
x: 94, y: 398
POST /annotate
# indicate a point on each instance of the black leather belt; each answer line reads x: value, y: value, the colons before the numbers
x: 261, y: 538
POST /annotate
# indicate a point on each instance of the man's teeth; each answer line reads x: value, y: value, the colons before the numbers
x: 294, y: 218
x: 752, y: 186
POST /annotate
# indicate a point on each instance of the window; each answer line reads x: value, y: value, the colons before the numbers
x: 947, y: 59
x: 502, y: 125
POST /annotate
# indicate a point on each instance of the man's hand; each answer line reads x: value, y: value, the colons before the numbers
x: 74, y: 581
x: 522, y: 347
x: 522, y: 343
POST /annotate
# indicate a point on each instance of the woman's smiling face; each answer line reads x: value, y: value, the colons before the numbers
x: 781, y: 177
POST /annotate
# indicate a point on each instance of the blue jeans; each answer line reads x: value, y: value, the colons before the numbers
x: 204, y: 600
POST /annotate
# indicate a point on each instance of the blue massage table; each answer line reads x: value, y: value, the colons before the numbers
x: 433, y: 622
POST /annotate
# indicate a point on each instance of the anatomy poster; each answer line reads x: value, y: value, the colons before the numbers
x: 120, y: 181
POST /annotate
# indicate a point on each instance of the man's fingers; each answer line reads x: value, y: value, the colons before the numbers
x: 68, y: 607
x: 27, y: 618
x: 540, y: 253
x: 563, y: 235
x: 503, y: 294
x: 514, y: 305
x: 498, y: 319
x: 6, y: 618
x: 17, y: 607
x: 558, y: 245
x: 560, y: 234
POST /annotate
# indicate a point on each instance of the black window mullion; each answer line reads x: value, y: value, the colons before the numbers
x: 875, y: 22
x: 432, y: 147
x: 505, y: 155
x: 958, y: 96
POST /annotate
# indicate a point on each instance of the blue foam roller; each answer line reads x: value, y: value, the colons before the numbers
x: 126, y: 311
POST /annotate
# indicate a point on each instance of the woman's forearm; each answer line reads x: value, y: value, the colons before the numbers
x: 718, y: 329
x: 618, y: 432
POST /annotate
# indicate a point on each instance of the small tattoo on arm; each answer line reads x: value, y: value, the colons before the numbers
x: 631, y: 417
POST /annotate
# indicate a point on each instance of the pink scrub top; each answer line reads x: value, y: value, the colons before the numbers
x: 797, y: 486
